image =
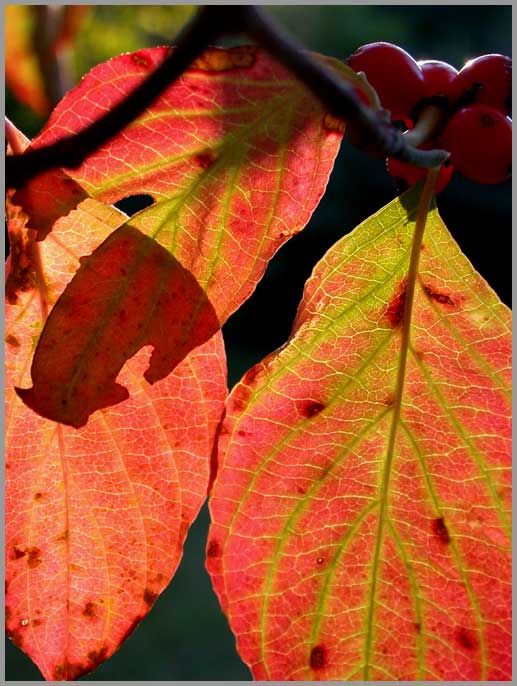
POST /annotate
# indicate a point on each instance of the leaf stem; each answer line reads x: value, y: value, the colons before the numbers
x: 428, y: 123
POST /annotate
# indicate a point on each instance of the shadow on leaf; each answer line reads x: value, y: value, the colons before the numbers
x: 130, y: 292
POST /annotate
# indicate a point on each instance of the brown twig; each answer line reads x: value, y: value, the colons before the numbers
x: 207, y: 25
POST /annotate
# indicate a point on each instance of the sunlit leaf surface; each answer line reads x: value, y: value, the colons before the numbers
x: 236, y: 156
x: 347, y: 544
x: 96, y: 517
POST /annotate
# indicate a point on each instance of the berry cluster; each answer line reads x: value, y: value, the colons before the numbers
x: 464, y: 112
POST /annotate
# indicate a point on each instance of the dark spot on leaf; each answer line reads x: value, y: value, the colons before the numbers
x: 12, y: 340
x: 395, y: 311
x: 59, y: 672
x: 240, y: 432
x: 90, y: 610
x: 441, y: 298
x: 70, y: 672
x: 38, y: 496
x: 35, y: 622
x: 252, y: 374
x: 310, y: 408
x: 141, y: 60
x: 221, y: 59
x: 98, y: 656
x: 332, y: 123
x: 440, y: 530
x: 320, y: 560
x: 18, y: 552
x: 132, y: 204
x: 34, y: 557
x: 384, y: 650
x: 205, y: 159
x: 149, y: 596
x: 318, y: 657
x: 63, y: 536
x: 240, y: 397
x: 418, y: 627
x: 466, y: 638
x: 389, y: 400
x: 22, y: 268
x: 213, y: 549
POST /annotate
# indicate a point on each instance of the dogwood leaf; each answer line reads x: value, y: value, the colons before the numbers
x: 361, y: 527
x: 96, y: 517
x: 236, y: 155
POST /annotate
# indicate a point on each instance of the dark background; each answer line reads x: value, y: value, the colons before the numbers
x: 185, y: 636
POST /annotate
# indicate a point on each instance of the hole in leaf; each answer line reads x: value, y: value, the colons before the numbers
x: 134, y: 203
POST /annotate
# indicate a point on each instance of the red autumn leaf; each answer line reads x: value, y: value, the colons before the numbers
x: 236, y: 155
x: 361, y: 525
x: 96, y: 517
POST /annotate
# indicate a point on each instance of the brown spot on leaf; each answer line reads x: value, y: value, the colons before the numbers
x: 12, y: 340
x: 205, y: 159
x: 442, y: 298
x: 38, y: 495
x: 221, y: 59
x: 36, y: 622
x: 149, y: 596
x: 395, y: 310
x: 70, y: 672
x: 59, y: 672
x: 213, y: 549
x: 141, y: 60
x: 240, y: 432
x: 97, y: 656
x: 318, y: 657
x: 466, y: 638
x: 18, y: 552
x: 440, y: 530
x: 34, y: 557
x: 252, y: 373
x: 320, y: 560
x: 90, y: 610
x: 310, y: 408
x: 63, y: 536
x: 21, y: 275
x: 240, y: 397
x: 332, y: 123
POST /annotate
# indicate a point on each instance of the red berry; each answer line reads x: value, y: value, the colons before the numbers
x: 479, y: 139
x: 437, y: 77
x: 393, y: 73
x: 405, y: 174
x: 487, y: 80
